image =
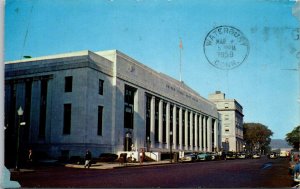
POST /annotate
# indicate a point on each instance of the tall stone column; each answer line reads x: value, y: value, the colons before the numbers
x: 196, y: 132
x: 200, y: 133
x: 174, y: 127
x: 20, y: 96
x: 204, y: 134
x: 216, y: 146
x: 180, y: 129
x: 186, y: 130
x: 35, y: 110
x: 209, y: 133
x: 168, y: 124
x: 152, y: 122
x: 191, y: 131
x: 160, y: 123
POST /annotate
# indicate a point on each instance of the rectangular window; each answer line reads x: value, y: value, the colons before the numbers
x: 188, y: 130
x: 129, y: 106
x: 183, y: 127
x: 100, y: 118
x: 171, y: 121
x: 148, y: 114
x: 164, y: 122
x: 28, y: 89
x: 68, y: 83
x: 101, y: 82
x: 156, y: 132
x: 67, y: 119
x: 177, y: 125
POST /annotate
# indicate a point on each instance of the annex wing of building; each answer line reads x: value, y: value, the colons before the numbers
x: 106, y: 102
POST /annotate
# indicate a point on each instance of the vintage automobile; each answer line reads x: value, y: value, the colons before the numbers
x: 284, y: 154
x: 204, y: 156
x: 214, y: 156
x: 230, y: 155
x: 188, y: 157
x: 273, y: 155
x: 256, y: 156
x: 241, y: 155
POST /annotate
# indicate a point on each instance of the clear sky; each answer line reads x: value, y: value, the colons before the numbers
x: 266, y: 84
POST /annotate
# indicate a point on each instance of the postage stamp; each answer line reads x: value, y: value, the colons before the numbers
x: 226, y: 47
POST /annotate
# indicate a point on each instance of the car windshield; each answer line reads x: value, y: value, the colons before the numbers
x: 188, y: 154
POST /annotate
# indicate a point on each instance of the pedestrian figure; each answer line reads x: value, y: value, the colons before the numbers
x: 30, y: 158
x: 297, y: 173
x: 88, y: 158
x: 142, y: 156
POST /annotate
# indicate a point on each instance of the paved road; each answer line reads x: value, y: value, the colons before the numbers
x: 214, y: 174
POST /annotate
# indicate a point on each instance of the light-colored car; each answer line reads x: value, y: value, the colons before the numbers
x: 241, y: 155
x: 189, y: 157
x: 283, y: 154
x: 214, y: 156
x: 256, y: 156
x: 203, y: 156
x: 273, y: 155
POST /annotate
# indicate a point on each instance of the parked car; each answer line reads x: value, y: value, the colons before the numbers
x: 248, y: 155
x: 241, y: 155
x: 273, y: 155
x: 189, y: 156
x: 230, y: 155
x: 256, y: 156
x: 214, y: 156
x: 203, y: 156
x: 283, y: 154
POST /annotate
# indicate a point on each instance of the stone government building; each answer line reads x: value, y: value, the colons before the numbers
x: 106, y: 102
x: 231, y: 114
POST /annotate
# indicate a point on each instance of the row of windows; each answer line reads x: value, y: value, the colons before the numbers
x: 69, y: 85
x: 68, y: 117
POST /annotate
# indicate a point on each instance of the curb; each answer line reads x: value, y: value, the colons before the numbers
x: 117, y: 166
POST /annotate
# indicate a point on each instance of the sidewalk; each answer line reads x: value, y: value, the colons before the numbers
x: 114, y: 165
x: 23, y: 170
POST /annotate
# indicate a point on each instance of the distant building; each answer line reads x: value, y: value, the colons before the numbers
x: 232, y: 122
x: 106, y: 102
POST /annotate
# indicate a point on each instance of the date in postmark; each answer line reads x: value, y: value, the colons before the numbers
x: 226, y: 47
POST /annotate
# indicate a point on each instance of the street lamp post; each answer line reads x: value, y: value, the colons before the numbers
x: 171, y: 157
x: 20, y: 114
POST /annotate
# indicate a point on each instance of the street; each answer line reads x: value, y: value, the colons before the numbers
x: 211, y: 174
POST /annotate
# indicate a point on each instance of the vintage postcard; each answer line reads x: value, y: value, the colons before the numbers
x: 151, y: 93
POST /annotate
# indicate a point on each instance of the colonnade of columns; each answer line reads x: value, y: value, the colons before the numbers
x: 196, y: 132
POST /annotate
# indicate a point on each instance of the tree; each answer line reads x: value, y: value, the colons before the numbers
x: 293, y: 138
x: 257, y: 137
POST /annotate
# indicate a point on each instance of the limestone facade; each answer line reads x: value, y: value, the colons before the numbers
x: 231, y: 113
x: 106, y: 102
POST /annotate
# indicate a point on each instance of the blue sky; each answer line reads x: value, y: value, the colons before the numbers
x: 149, y: 31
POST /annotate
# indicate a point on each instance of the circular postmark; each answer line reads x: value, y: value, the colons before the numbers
x: 226, y: 47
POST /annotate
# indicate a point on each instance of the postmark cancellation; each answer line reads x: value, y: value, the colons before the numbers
x: 226, y: 47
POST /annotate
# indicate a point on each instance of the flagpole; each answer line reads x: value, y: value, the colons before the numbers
x: 180, y: 49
